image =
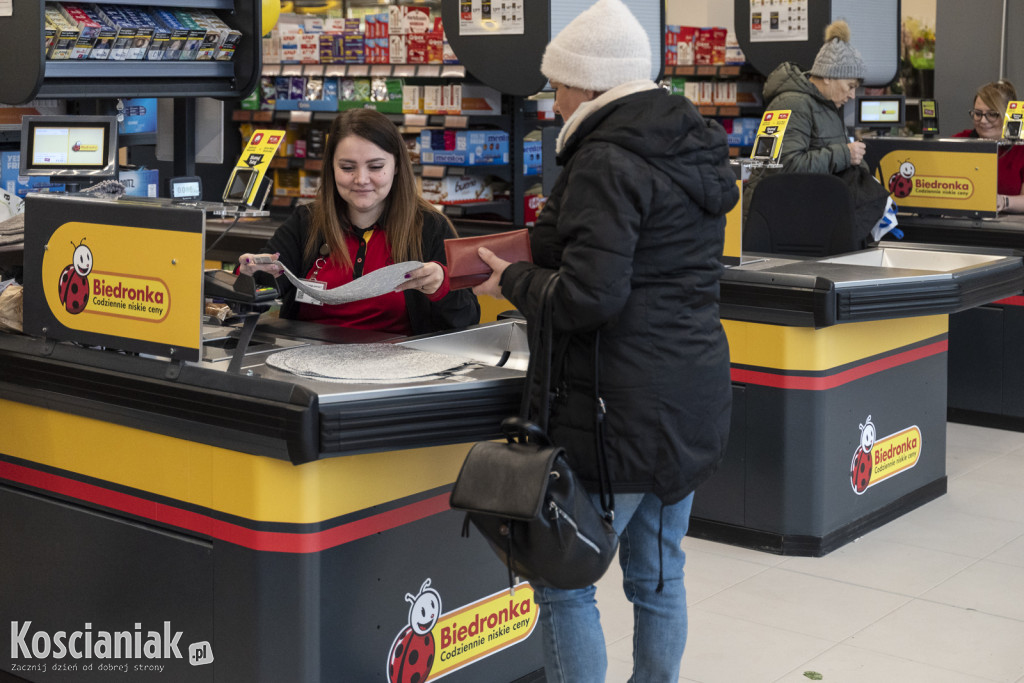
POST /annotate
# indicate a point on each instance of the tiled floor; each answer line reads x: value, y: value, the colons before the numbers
x: 936, y: 596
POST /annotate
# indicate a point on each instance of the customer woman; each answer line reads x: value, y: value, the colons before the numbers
x: 634, y: 227
x: 815, y: 139
x: 367, y: 214
x: 987, y: 114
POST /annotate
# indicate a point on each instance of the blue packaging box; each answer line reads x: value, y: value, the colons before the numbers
x: 12, y: 183
x: 139, y: 116
x: 142, y: 182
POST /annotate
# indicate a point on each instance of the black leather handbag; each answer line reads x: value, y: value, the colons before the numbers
x: 526, y: 500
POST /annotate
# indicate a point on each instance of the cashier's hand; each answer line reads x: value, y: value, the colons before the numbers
x: 247, y: 264
x: 492, y: 285
x: 856, y: 152
x: 427, y: 279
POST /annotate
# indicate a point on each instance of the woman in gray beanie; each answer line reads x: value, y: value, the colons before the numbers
x: 816, y: 140
x: 634, y: 227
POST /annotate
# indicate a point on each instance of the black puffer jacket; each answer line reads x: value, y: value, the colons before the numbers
x: 458, y: 309
x: 635, y: 227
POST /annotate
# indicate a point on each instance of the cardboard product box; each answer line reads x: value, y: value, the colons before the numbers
x: 396, y: 20
x: 412, y: 99
x: 139, y: 116
x: 354, y: 48
x: 286, y: 182
x: 88, y: 30
x: 464, y: 189
x: 685, y: 45
x: 533, y: 204
x: 184, y: 41
x: 435, y: 47
x: 326, y: 48
x: 725, y: 92
x: 205, y: 40
x: 20, y: 186
x: 671, y: 57
x: 709, y: 45
x: 372, y: 26
x: 230, y: 37
x: 65, y: 34
x: 692, y: 91
x: 107, y: 38
x: 178, y: 36
x: 533, y: 157
x: 290, y: 45
x: 416, y: 48
x: 453, y: 99
x: 433, y: 100
x: 308, y: 183
x: 707, y: 93
x: 397, y: 52
x: 480, y: 100
x: 484, y: 144
x: 416, y: 19
x: 741, y: 131
x: 143, y: 182
x: 272, y: 47
x: 143, y: 32
x: 434, y: 139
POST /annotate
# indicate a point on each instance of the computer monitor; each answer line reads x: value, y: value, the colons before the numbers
x: 880, y: 112
x: 71, y: 148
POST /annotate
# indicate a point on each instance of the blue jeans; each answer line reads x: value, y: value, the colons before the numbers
x: 574, y: 650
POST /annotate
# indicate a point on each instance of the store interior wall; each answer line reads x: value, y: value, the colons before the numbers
x: 967, y: 38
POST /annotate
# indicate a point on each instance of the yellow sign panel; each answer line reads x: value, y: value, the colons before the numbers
x: 482, y: 628
x: 256, y: 156
x: 1013, y: 120
x: 939, y: 180
x: 130, y: 282
x: 768, y: 143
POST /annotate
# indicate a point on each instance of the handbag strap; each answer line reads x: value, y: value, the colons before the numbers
x: 538, y: 379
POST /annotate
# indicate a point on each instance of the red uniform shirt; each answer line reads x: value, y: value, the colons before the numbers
x: 385, y: 313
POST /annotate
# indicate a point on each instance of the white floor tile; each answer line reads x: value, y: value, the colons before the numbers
x: 796, y: 602
x: 985, y: 586
x: 963, y: 438
x: 868, y: 563
x: 722, y: 649
x: 709, y: 573
x: 952, y: 638
x: 1011, y: 553
x: 845, y: 664
x: 943, y: 525
x: 977, y: 495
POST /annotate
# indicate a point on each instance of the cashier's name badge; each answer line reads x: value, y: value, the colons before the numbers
x: 304, y: 298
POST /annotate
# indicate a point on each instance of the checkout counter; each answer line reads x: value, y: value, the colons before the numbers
x: 174, y: 485
x: 986, y: 369
x: 265, y: 526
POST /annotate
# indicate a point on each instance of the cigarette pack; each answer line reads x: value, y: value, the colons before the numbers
x: 143, y: 32
x: 107, y: 37
x: 230, y: 37
x: 111, y: 15
x: 65, y: 34
x: 184, y: 40
x: 160, y: 43
x: 88, y: 30
x: 208, y: 39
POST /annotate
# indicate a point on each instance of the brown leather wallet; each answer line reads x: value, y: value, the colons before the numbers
x: 466, y: 269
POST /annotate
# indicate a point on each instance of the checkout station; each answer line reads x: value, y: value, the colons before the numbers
x: 204, y: 493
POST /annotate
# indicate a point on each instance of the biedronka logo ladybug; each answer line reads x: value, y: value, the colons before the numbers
x: 860, y: 468
x: 412, y: 654
x: 74, y: 280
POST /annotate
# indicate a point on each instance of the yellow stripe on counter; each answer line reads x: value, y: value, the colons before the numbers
x: 809, y: 349
x: 249, y: 486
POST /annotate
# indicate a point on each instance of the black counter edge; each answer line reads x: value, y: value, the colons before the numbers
x: 243, y: 413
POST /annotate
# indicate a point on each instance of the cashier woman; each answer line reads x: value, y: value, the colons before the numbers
x: 986, y: 114
x: 368, y: 214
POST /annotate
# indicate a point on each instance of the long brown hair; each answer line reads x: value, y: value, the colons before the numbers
x: 402, y: 219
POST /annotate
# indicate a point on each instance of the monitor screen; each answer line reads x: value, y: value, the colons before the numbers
x: 69, y: 146
x: 880, y: 111
x: 239, y: 185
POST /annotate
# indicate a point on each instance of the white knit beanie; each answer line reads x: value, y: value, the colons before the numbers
x: 603, y: 47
